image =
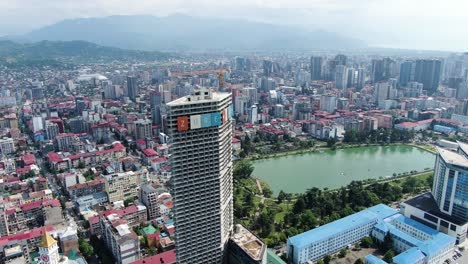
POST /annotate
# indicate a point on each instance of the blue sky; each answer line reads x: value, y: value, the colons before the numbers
x: 416, y: 24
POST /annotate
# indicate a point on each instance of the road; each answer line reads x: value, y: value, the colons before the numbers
x: 69, y: 214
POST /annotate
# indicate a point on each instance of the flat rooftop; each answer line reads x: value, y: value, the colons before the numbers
x: 248, y: 242
x: 377, y: 212
x: 427, y: 203
x: 453, y: 158
x: 202, y: 98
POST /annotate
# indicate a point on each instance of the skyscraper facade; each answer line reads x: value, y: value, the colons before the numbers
x: 341, y: 77
x: 377, y: 70
x: 316, y: 68
x: 155, y: 104
x: 405, y: 73
x: 428, y: 73
x: 450, y: 185
x: 132, y: 87
x: 200, y: 129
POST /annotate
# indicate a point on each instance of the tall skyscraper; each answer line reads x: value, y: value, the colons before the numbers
x: 405, y: 73
x: 450, y: 186
x: 361, y: 78
x: 341, y: 59
x: 267, y: 68
x: 155, y: 105
x: 351, y: 78
x: 316, y: 68
x: 132, y: 87
x: 200, y: 129
x: 341, y: 77
x: 377, y: 70
x: 428, y: 73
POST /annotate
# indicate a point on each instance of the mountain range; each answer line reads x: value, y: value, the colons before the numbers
x: 181, y: 33
x: 70, y: 51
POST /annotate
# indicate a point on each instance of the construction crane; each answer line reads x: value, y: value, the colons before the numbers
x: 219, y: 72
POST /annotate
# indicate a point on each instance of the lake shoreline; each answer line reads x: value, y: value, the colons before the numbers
x: 337, y: 168
x: 287, y: 153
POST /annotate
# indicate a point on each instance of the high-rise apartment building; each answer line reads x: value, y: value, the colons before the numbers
x: 132, y: 88
x: 200, y: 129
x: 341, y: 77
x: 155, y: 104
x: 316, y: 68
x: 428, y: 73
x: 406, y: 75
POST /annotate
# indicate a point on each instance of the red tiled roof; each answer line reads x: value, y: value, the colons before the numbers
x: 27, y: 235
x: 87, y: 184
x: 150, y: 152
x: 54, y: 157
x: 93, y: 220
x: 29, y: 159
x: 168, y: 257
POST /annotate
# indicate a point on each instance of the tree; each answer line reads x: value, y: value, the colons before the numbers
x: 367, y: 242
x: 327, y: 259
x: 299, y: 206
x: 320, y: 261
x: 331, y: 142
x: 343, y: 252
x: 243, y: 169
x: 281, y: 196
x: 128, y: 201
x: 85, y: 248
x: 81, y: 165
x: 388, y: 256
x: 359, y: 261
x: 387, y: 243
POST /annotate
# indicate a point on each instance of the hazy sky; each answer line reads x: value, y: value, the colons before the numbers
x: 418, y: 24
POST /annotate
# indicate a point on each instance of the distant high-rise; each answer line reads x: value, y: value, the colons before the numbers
x: 428, y: 73
x: 267, y: 68
x: 132, y: 88
x: 361, y: 78
x: 382, y: 69
x: 377, y: 70
x: 405, y: 73
x: 381, y: 92
x: 328, y: 103
x: 341, y: 59
x: 351, y: 78
x: 341, y: 77
x: 155, y: 105
x: 200, y: 129
x: 316, y: 68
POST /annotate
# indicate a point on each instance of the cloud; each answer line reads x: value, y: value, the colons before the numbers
x: 428, y: 24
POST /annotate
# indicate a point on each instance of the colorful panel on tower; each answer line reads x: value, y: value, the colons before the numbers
x: 182, y: 123
x: 195, y: 121
x: 216, y: 119
x: 206, y: 120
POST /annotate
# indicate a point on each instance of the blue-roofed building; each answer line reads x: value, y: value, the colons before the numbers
x: 415, y: 242
x: 371, y: 259
x: 330, y: 238
x: 412, y: 255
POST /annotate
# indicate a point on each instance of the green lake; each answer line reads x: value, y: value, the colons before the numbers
x: 333, y: 169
